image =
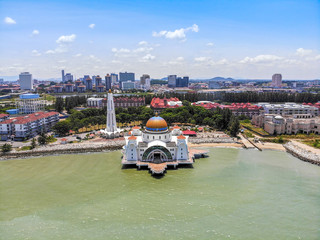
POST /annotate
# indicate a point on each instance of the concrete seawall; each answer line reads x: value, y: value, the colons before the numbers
x: 302, y: 153
x: 65, y: 149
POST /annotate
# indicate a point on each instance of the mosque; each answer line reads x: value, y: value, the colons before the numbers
x: 156, y: 147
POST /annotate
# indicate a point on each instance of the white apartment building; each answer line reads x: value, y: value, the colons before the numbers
x: 26, y: 81
x: 28, y: 126
x: 288, y: 109
x: 276, y: 80
x: 94, y: 102
x: 298, y: 123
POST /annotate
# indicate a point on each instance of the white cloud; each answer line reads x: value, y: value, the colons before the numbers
x: 261, y: 59
x: 143, y: 49
x: 66, y: 39
x: 202, y: 59
x: 78, y: 55
x: 35, y: 53
x: 50, y: 52
x: 92, y: 25
x: 121, y: 50
x: 143, y: 43
x: 210, y: 44
x: 303, y: 52
x: 35, y: 32
x: 176, y: 34
x: 9, y: 20
x: 94, y: 58
x: 148, y: 58
x: 177, y: 61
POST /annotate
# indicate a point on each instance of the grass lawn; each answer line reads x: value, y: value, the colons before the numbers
x: 253, y: 128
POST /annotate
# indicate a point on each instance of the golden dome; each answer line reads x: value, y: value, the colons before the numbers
x: 156, y: 124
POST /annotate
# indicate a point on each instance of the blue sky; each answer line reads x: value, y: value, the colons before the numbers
x: 202, y: 39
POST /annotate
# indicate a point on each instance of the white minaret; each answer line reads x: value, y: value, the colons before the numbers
x: 111, y: 130
x: 111, y: 114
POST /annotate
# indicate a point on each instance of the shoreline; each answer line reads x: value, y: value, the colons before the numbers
x: 294, y: 148
x: 95, y: 147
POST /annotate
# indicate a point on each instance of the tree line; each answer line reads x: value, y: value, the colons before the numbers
x: 221, y: 119
x: 69, y: 103
x: 238, y: 97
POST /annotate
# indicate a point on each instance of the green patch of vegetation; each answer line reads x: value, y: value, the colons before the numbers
x: 279, y: 139
x: 6, y: 148
x: 313, y: 143
x: 248, y: 134
x: 249, y: 126
x: 25, y: 148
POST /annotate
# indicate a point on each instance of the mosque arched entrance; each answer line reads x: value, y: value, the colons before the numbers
x: 157, y: 154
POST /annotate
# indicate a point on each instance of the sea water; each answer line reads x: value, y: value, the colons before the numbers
x: 233, y: 194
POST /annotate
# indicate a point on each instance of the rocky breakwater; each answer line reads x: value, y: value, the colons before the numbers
x: 301, y: 153
x: 211, y: 138
x: 66, y: 149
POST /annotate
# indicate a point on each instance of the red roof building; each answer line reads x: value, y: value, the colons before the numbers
x: 237, y: 109
x: 159, y: 104
x: 27, y: 126
x: 189, y: 133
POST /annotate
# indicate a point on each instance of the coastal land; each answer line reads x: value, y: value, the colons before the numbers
x: 98, y: 144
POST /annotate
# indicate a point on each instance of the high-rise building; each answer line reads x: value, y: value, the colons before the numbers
x: 26, y: 81
x: 84, y: 78
x: 276, y: 80
x: 68, y: 77
x: 108, y: 82
x: 128, y: 85
x: 143, y: 79
x: 62, y: 77
x: 98, y: 80
x: 114, y: 78
x: 88, y: 83
x: 182, y: 82
x: 172, y: 81
x: 94, y: 79
x: 126, y: 77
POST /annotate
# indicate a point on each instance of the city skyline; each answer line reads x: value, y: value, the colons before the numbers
x: 246, y: 39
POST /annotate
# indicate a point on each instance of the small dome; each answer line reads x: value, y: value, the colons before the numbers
x: 157, y: 124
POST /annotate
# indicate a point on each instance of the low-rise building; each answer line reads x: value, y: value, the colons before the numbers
x: 30, y: 103
x: 94, y: 102
x: 243, y: 109
x: 100, y: 88
x: 290, y: 124
x: 57, y: 88
x: 238, y: 109
x: 28, y: 126
x: 3, y: 117
x: 289, y: 109
x: 69, y: 87
x: 159, y: 104
x: 125, y: 102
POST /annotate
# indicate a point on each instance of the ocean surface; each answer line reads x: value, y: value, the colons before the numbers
x: 233, y: 194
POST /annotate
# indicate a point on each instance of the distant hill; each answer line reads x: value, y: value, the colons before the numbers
x: 221, y: 79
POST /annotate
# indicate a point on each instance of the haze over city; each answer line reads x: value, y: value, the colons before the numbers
x: 201, y: 39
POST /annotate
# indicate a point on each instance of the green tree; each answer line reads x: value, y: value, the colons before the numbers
x: 62, y: 128
x: 42, y: 139
x: 235, y: 126
x: 6, y: 148
x: 59, y: 104
x: 33, y: 143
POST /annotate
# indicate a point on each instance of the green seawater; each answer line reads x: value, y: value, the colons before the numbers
x: 233, y: 194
